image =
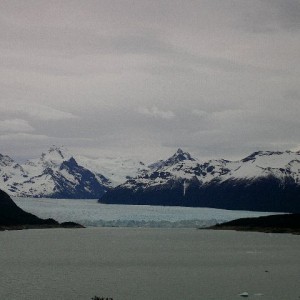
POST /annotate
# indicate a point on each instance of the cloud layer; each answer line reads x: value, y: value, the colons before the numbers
x: 156, y: 113
x: 218, y: 78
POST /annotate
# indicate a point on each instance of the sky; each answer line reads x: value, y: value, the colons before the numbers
x: 217, y: 78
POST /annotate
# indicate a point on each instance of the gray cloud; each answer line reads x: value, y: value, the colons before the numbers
x: 156, y: 113
x: 219, y: 78
x: 35, y: 111
x: 289, y: 14
x: 15, y: 125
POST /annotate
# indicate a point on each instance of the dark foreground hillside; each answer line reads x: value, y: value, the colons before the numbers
x: 13, y: 217
x: 288, y: 223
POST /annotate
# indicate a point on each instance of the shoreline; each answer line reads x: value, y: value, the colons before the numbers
x: 63, y: 225
x: 283, y: 223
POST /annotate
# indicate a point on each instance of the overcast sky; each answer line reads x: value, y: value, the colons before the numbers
x: 218, y: 78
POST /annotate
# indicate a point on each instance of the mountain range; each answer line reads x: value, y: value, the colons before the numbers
x: 264, y: 180
x: 59, y: 174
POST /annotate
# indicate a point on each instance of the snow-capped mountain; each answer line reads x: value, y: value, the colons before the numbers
x: 55, y: 174
x: 264, y: 180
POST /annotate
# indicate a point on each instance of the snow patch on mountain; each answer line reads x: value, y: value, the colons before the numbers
x: 116, y: 169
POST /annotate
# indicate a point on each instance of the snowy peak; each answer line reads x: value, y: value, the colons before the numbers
x: 53, y: 158
x: 179, y: 151
x: 179, y: 156
x: 56, y: 155
x: 56, y: 151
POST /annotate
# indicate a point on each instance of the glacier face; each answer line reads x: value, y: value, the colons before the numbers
x: 91, y: 213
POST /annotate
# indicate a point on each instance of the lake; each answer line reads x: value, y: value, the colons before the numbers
x: 147, y: 264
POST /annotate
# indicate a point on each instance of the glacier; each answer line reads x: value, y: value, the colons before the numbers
x: 92, y: 214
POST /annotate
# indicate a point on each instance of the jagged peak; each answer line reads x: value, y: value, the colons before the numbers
x: 56, y: 154
x: 183, y: 155
x: 61, y: 151
x: 179, y: 156
x: 179, y: 151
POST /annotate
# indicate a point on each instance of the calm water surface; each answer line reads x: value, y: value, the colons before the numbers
x: 147, y: 264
